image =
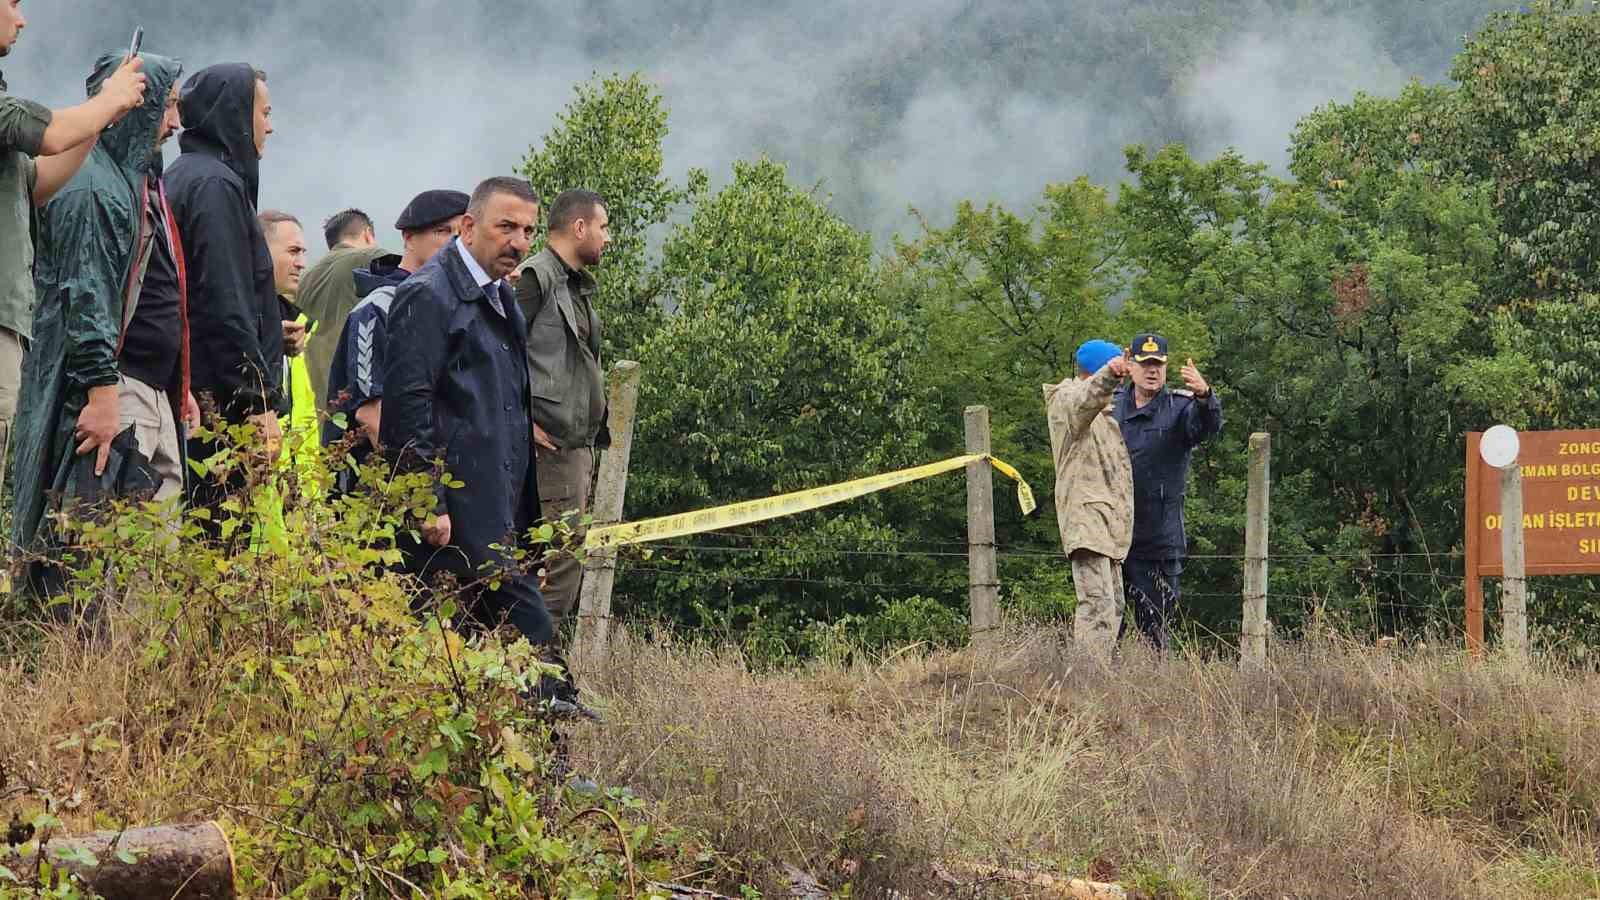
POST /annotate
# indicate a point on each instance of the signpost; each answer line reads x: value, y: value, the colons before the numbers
x: 1559, y: 473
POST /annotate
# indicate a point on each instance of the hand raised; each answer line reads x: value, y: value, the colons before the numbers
x: 1194, y: 380
x: 124, y: 90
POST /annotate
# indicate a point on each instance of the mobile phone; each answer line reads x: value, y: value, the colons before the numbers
x: 138, y: 40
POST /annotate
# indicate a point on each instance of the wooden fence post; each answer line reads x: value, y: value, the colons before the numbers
x: 1474, y: 559
x: 983, y: 579
x: 592, y: 636
x: 1253, y: 642
x: 1513, y: 579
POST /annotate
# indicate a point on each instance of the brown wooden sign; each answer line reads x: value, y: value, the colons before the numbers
x: 1560, y: 512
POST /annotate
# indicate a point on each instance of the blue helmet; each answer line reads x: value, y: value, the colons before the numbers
x: 1092, y: 355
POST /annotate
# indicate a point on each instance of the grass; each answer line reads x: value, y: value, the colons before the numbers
x: 1342, y: 771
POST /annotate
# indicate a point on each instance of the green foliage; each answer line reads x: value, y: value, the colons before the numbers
x: 1525, y: 121
x: 1346, y: 304
x: 1004, y: 301
x: 1522, y: 120
x: 608, y: 140
x: 1422, y: 271
x: 781, y: 369
x: 364, y: 750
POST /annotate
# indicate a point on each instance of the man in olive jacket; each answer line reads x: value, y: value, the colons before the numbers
x: 110, y: 350
x: 1094, y: 491
x: 556, y: 293
x: 329, y: 291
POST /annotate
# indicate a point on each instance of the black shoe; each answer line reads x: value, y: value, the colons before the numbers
x: 558, y: 700
x: 566, y: 710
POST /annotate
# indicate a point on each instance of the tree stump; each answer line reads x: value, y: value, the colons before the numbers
x: 170, y: 862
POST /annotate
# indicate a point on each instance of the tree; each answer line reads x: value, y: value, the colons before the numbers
x: 1005, y: 301
x: 1349, y: 310
x: 781, y: 368
x: 1523, y: 119
x: 608, y: 140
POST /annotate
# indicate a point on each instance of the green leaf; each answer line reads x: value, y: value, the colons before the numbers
x: 76, y: 855
x: 435, y: 762
x: 130, y: 855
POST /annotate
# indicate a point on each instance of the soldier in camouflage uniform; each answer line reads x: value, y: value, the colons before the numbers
x: 1094, y: 491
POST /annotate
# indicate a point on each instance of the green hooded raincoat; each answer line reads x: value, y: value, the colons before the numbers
x: 93, y: 246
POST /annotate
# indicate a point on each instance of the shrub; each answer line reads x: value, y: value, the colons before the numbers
x: 275, y: 676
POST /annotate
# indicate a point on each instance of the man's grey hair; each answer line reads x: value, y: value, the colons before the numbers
x: 572, y: 205
x: 270, y: 219
x: 499, y: 184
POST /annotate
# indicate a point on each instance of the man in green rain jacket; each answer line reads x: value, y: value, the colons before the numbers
x: 110, y: 352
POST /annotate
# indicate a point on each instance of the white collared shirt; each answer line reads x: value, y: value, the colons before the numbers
x: 480, y: 276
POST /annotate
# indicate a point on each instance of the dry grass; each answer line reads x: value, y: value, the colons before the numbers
x: 61, y: 695
x: 1341, y: 772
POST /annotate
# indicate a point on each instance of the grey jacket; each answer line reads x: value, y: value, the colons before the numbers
x: 569, y: 386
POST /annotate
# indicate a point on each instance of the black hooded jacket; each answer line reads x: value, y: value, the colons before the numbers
x: 236, y: 335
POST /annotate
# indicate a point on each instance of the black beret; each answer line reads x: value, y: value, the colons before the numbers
x: 431, y: 207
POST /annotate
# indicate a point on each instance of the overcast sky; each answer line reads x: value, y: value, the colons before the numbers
x: 375, y: 101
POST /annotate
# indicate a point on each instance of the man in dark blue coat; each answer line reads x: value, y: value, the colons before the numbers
x: 460, y: 393
x: 1161, y: 428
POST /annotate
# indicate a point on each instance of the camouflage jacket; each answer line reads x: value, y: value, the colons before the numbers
x: 1094, y: 480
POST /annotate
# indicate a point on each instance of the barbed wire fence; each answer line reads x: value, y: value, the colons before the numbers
x: 1356, y: 592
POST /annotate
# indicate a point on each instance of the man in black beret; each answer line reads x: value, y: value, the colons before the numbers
x: 355, y: 381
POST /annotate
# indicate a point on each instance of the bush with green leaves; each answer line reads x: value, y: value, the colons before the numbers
x: 277, y: 675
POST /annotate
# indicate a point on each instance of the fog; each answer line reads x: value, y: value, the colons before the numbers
x: 374, y: 102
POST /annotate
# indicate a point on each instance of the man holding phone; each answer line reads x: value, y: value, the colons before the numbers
x: 40, y: 151
x: 108, y: 366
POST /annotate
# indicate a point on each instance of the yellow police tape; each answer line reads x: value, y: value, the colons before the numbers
x: 735, y: 514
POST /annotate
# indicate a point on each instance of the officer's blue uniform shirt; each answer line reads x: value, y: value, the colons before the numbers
x: 1161, y: 437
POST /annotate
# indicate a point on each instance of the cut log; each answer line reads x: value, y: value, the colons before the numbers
x: 169, y: 862
x: 1051, y: 884
x: 685, y: 892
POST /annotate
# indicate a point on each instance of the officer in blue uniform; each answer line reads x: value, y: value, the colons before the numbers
x: 1161, y: 428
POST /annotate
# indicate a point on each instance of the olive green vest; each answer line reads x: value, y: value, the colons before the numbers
x: 569, y: 387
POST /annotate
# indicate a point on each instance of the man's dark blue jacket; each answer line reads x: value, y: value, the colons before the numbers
x: 459, y: 392
x: 1161, y: 437
x: 360, y: 359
